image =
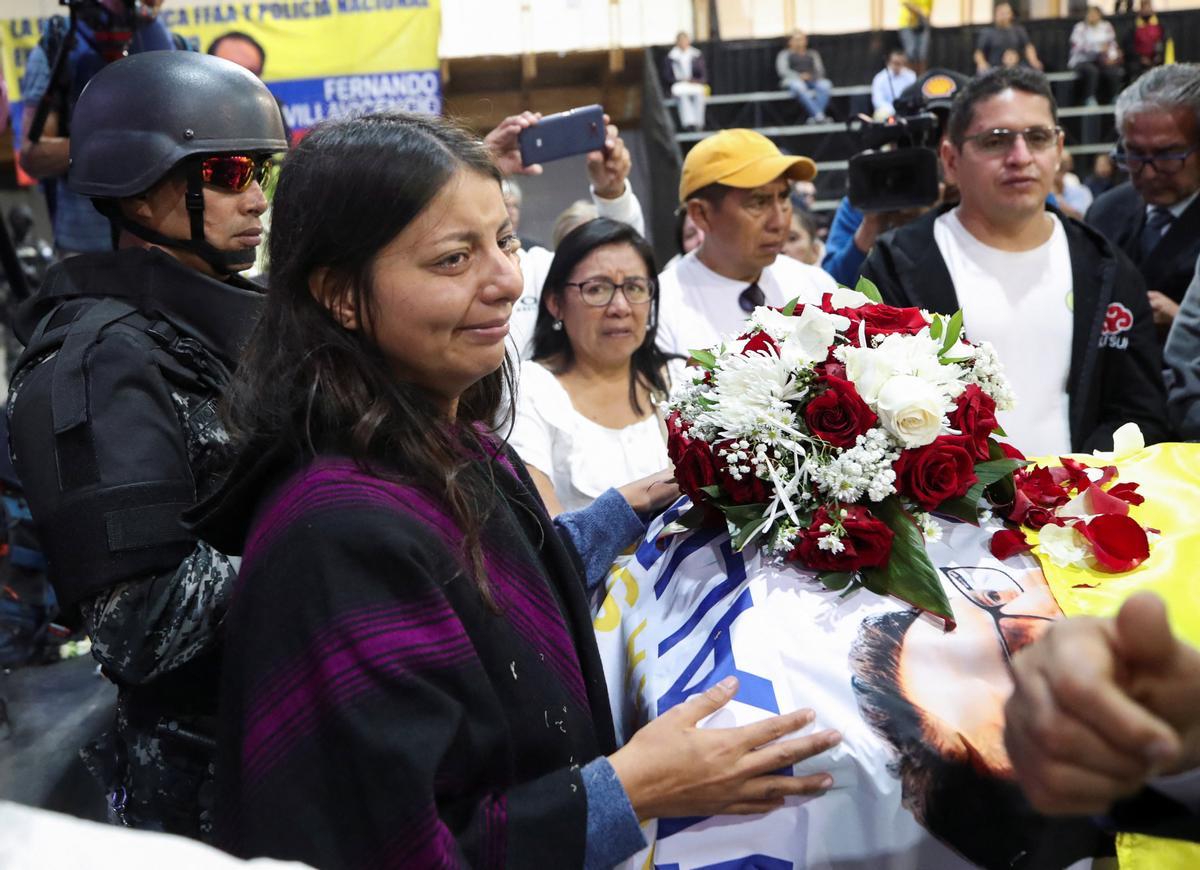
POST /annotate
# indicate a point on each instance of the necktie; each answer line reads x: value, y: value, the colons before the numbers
x: 751, y: 298
x: 1157, y: 223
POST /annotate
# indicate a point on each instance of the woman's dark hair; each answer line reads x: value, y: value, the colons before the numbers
x: 347, y: 190
x: 648, y: 364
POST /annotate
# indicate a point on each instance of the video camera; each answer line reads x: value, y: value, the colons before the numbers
x: 905, y: 176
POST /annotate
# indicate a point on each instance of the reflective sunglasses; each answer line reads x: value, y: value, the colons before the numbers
x: 235, y: 171
x: 1001, y: 139
x: 600, y: 291
x: 1164, y: 164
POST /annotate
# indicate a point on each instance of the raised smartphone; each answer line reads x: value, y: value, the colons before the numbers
x: 575, y: 131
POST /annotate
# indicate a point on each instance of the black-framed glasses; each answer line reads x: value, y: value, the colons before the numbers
x: 235, y: 171
x: 600, y: 291
x: 1000, y: 140
x: 992, y: 590
x: 1164, y: 164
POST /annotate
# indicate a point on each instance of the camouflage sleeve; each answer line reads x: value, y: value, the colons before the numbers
x: 144, y: 628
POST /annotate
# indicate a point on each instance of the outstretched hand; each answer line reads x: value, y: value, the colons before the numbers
x: 673, y: 768
x: 1100, y: 706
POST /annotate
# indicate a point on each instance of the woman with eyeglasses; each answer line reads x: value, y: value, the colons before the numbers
x: 410, y: 673
x: 587, y: 402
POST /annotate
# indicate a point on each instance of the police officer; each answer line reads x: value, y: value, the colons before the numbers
x: 113, y: 408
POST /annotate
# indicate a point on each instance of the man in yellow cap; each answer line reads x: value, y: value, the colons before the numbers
x: 735, y: 187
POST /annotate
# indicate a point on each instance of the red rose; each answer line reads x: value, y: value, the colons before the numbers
x: 839, y: 415
x: 883, y: 319
x: 937, y: 472
x: 695, y: 465
x: 1009, y: 451
x: 866, y: 544
x: 748, y: 489
x: 975, y: 417
x: 1118, y: 543
x: 760, y: 342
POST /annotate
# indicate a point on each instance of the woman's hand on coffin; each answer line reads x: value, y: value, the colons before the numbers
x: 671, y: 767
x: 1082, y: 729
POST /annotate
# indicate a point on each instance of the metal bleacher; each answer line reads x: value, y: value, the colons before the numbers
x: 831, y: 144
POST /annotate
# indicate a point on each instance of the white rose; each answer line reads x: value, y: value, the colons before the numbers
x: 911, y: 409
x: 811, y: 335
x: 1064, y: 546
x: 844, y: 297
x: 868, y: 369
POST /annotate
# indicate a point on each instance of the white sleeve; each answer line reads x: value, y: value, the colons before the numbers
x: 625, y: 208
x: 532, y: 436
x: 670, y: 309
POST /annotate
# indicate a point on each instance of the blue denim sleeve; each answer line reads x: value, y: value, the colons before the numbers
x: 601, y: 532
x: 613, y: 832
x: 37, y: 76
x: 843, y: 260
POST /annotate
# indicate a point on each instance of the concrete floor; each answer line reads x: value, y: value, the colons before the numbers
x: 52, y: 711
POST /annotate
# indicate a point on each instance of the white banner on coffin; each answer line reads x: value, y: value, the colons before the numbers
x: 680, y: 619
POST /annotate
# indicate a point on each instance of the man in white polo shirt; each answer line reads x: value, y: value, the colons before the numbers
x: 735, y: 187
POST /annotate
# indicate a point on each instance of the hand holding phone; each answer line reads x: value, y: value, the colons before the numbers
x: 576, y: 131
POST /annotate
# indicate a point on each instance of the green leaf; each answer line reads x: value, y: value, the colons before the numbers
x: 965, y: 507
x: 994, y: 469
x: 999, y: 431
x: 745, y: 518
x: 1003, y: 491
x: 693, y: 518
x: 836, y: 580
x: 713, y: 491
x: 790, y: 308
x: 935, y: 328
x: 908, y: 574
x: 953, y: 331
x: 704, y: 359
x: 867, y: 288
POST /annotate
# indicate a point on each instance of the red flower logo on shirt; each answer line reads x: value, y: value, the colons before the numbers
x: 1117, y: 319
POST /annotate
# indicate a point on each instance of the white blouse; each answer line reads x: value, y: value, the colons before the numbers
x: 581, y: 457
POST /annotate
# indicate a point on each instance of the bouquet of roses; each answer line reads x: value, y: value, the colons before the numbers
x: 828, y: 434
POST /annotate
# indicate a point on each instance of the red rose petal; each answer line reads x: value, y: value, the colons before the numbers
x: 1118, y: 542
x: 1127, y: 492
x: 1009, y: 542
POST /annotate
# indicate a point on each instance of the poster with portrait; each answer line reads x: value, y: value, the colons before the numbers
x: 921, y: 779
x: 323, y: 58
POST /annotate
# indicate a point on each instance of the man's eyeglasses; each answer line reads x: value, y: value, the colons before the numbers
x: 1001, y: 140
x: 600, y: 291
x: 1164, y: 164
x: 234, y: 171
x: 993, y: 590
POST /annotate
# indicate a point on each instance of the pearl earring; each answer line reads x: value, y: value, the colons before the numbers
x: 557, y: 326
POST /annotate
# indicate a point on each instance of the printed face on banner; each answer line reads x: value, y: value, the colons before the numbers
x: 921, y: 780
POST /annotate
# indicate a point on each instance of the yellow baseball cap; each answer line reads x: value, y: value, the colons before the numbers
x: 739, y: 158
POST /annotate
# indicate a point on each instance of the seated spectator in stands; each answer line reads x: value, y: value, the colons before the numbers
x: 804, y: 195
x: 735, y: 186
x: 611, y: 192
x: 1096, y: 58
x: 1155, y: 216
x: 803, y: 243
x: 1004, y: 36
x: 1070, y: 194
x: 889, y: 83
x: 1181, y: 356
x: 852, y: 233
x: 684, y: 72
x: 1146, y: 45
x: 1104, y: 175
x: 587, y: 400
x: 802, y: 72
x: 914, y: 32
x: 1039, y: 286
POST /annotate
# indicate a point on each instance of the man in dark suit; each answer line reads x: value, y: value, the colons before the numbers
x: 1155, y: 216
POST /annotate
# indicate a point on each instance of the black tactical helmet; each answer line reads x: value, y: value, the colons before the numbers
x: 140, y: 116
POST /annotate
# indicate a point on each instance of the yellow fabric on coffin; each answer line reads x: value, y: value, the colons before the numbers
x: 1169, y: 477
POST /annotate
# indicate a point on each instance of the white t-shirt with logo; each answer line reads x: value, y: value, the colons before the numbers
x: 535, y: 265
x: 697, y: 307
x: 1021, y: 302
